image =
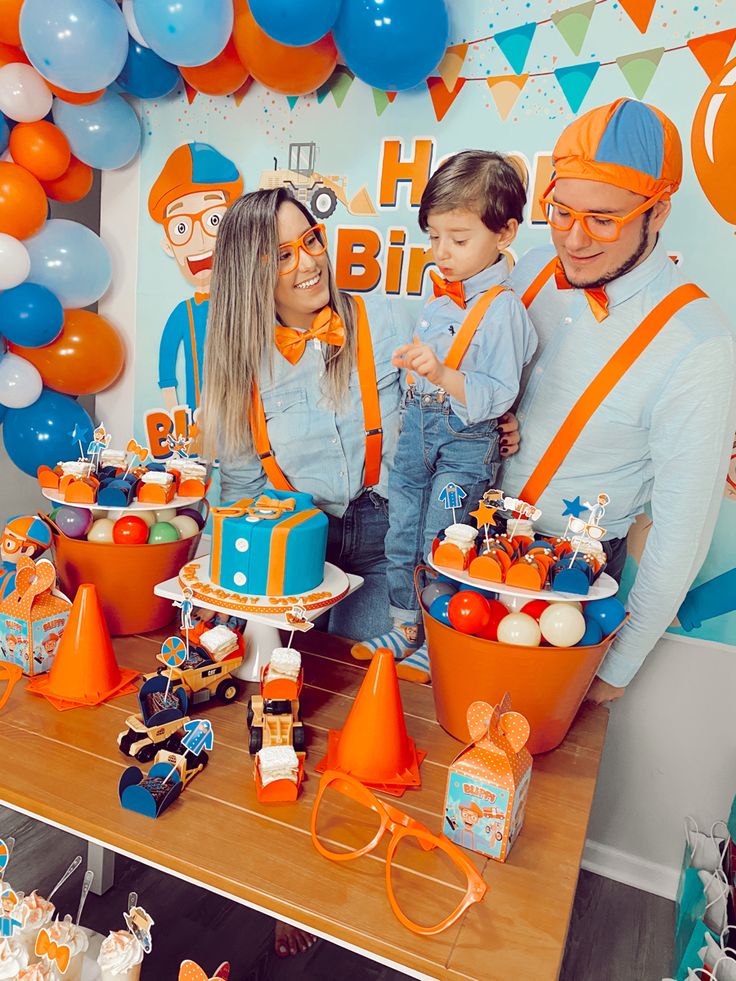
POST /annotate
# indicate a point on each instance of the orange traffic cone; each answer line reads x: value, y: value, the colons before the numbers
x: 373, y: 745
x: 84, y: 671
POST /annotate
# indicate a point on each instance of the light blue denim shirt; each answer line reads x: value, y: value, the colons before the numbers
x: 661, y: 439
x: 321, y: 449
x: 504, y: 342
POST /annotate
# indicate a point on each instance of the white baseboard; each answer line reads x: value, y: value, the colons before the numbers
x: 630, y: 869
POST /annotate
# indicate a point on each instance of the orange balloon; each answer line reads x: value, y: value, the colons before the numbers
x: 41, y: 148
x: 9, y: 54
x: 23, y: 204
x: 73, y: 184
x: 713, y: 142
x: 221, y: 76
x: 9, y: 15
x: 76, y: 98
x: 281, y: 67
x: 86, y: 357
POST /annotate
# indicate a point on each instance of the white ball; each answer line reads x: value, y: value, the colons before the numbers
x: 562, y: 625
x: 24, y: 96
x: 519, y: 629
x: 148, y: 516
x: 186, y: 526
x: 165, y: 514
x: 15, y: 263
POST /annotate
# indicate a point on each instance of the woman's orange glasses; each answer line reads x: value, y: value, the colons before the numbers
x: 314, y: 243
x: 401, y: 827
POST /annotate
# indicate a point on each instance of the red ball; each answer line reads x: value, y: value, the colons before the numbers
x: 468, y: 612
x: 130, y: 530
x: 535, y: 608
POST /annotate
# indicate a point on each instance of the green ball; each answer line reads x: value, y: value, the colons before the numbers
x: 162, y: 532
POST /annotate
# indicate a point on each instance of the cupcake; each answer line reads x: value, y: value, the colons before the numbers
x: 121, y: 956
x: 13, y: 958
x: 34, y: 912
x: 37, y: 972
x: 66, y: 933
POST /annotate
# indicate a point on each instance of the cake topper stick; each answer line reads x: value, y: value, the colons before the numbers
x: 139, y: 452
x: 198, y: 735
x: 186, y: 606
x: 452, y: 496
x: 132, y: 900
x: 72, y: 868
x: 6, y: 850
x: 174, y: 653
x: 297, y: 614
x: 86, y: 886
x: 76, y: 434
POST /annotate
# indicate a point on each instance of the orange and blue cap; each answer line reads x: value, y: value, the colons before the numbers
x: 31, y: 529
x: 628, y: 144
x: 193, y: 167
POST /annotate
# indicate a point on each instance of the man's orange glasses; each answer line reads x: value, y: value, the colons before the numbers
x: 401, y: 827
x: 598, y: 225
x: 314, y: 243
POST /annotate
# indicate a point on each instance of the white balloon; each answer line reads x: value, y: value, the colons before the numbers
x: 24, y: 96
x: 132, y: 24
x: 562, y: 625
x: 20, y: 382
x: 15, y: 263
x: 519, y: 629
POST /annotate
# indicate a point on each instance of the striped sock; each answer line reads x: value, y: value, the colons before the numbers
x: 415, y: 667
x: 399, y: 640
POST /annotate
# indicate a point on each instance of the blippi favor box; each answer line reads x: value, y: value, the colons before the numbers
x: 32, y: 617
x: 488, y: 781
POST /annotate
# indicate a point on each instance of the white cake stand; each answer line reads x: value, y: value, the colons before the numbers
x: 175, y: 502
x: 262, y: 631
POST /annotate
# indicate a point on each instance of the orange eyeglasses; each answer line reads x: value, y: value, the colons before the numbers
x: 402, y: 828
x: 314, y: 243
x: 598, y: 225
x: 11, y: 674
x: 179, y: 228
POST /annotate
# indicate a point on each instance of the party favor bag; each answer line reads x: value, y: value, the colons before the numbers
x: 32, y: 617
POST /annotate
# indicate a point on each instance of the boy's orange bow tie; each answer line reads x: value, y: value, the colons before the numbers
x: 327, y: 327
x: 597, y: 298
x: 454, y: 290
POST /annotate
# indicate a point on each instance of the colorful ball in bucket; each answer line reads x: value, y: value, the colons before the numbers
x: 130, y: 530
x: 593, y: 634
x: 101, y: 531
x: 520, y: 630
x: 497, y: 611
x: 73, y: 522
x: 434, y: 589
x: 162, y: 532
x: 562, y: 625
x: 165, y: 514
x: 438, y: 609
x: 468, y: 611
x: 148, y: 516
x: 535, y: 608
x: 608, y: 612
x: 191, y: 513
x: 186, y: 526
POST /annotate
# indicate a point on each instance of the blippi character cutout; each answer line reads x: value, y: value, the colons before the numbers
x: 470, y: 814
x: 22, y: 535
x: 189, y: 198
x: 8, y: 924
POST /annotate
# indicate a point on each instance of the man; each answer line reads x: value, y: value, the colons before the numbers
x: 661, y: 433
x: 189, y: 198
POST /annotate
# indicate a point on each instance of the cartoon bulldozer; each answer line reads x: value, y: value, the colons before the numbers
x: 319, y: 192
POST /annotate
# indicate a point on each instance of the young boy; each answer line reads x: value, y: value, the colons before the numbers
x: 471, y: 208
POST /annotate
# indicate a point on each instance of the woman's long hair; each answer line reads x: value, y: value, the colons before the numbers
x: 242, y: 320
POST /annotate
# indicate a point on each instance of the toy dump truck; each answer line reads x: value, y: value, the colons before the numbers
x: 273, y: 716
x: 159, y: 724
x: 207, y: 672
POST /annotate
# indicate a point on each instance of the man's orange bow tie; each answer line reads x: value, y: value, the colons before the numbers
x: 597, y: 298
x: 201, y: 297
x: 60, y: 953
x: 326, y: 327
x: 454, y: 290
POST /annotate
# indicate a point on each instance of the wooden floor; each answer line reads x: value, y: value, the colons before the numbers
x: 617, y: 933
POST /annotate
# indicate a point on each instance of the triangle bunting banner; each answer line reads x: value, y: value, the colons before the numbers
x: 338, y: 84
x: 713, y: 50
x: 573, y: 24
x: 515, y: 45
x: 640, y: 11
x: 505, y: 90
x: 639, y: 69
x: 452, y: 64
x: 575, y: 82
x: 441, y: 98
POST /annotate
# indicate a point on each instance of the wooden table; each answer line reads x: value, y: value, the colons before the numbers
x: 64, y: 767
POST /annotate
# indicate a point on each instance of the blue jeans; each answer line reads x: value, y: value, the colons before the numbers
x: 355, y: 543
x: 435, y: 447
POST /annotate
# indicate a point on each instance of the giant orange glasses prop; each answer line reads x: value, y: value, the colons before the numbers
x: 10, y: 674
x: 400, y: 826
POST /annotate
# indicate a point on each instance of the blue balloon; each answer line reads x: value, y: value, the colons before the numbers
x: 30, y: 315
x: 188, y: 32
x: 69, y: 259
x: 3, y: 410
x: 295, y: 22
x: 80, y: 45
x: 593, y: 633
x: 4, y: 133
x: 608, y: 613
x: 438, y: 609
x: 145, y: 75
x: 392, y: 44
x: 105, y: 134
x: 42, y: 434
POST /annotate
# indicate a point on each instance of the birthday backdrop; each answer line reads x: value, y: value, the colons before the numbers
x: 513, y: 76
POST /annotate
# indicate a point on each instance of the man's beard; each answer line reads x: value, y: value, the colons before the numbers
x: 625, y: 266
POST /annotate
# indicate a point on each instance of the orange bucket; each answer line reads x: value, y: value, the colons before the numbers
x: 124, y: 576
x: 546, y: 684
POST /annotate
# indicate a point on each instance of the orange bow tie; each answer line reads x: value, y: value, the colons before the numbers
x: 454, y: 290
x: 201, y: 297
x: 326, y: 327
x: 597, y: 298
x: 60, y: 953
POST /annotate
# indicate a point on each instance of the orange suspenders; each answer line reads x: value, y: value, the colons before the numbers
x: 371, y: 413
x: 604, y: 382
x: 195, y: 361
